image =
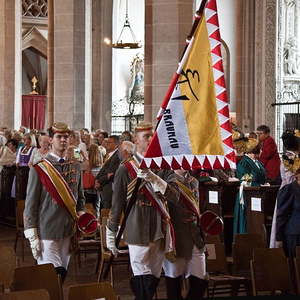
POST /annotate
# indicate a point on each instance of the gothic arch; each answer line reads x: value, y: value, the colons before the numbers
x: 33, y: 38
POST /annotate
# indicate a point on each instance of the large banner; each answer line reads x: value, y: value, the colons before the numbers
x: 194, y: 130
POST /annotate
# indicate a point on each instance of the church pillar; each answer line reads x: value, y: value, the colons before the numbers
x: 50, y: 65
x: 69, y: 62
x: 101, y: 65
x: 168, y: 22
x: 7, y: 62
x: 245, y: 65
x: 265, y: 63
x: 257, y: 88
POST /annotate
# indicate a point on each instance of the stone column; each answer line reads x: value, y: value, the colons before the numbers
x: 245, y: 65
x: 7, y: 62
x: 265, y: 63
x: 50, y: 65
x: 102, y: 65
x: 69, y: 61
x: 256, y: 90
x: 168, y: 22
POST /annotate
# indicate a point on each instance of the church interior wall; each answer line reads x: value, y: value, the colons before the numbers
x: 114, y: 78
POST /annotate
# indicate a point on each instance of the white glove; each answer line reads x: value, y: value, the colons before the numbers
x: 35, y: 243
x: 158, y: 184
x: 214, y: 179
x: 111, y: 241
x: 233, y: 179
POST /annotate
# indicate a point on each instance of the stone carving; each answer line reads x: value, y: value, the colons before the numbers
x: 35, y: 8
x: 291, y: 57
x: 290, y: 2
x: 270, y: 58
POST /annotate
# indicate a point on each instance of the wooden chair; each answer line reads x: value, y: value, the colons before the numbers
x: 242, y: 252
x: 296, y: 270
x: 91, y: 291
x: 220, y: 280
x: 7, y: 267
x: 121, y: 259
x: 104, y: 214
x: 270, y: 271
x: 20, y: 205
x: 38, y: 277
x: 88, y: 243
x: 26, y: 295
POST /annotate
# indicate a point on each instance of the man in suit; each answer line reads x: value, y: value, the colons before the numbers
x: 104, y: 179
x: 269, y: 156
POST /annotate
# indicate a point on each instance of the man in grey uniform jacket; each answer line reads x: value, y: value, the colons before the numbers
x: 146, y: 228
x: 190, y: 255
x: 48, y: 225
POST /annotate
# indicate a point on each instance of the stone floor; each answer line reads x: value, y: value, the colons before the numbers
x: 86, y: 273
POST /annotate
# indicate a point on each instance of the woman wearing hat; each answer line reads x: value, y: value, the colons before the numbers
x: 288, y: 169
x: 252, y: 173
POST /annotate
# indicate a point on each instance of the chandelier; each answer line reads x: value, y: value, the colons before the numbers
x: 132, y: 43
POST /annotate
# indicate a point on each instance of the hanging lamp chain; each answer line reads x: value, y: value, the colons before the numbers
x: 119, y: 43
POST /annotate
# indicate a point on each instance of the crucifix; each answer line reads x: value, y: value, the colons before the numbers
x: 34, y: 82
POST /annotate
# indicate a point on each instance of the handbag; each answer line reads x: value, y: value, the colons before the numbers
x: 88, y: 180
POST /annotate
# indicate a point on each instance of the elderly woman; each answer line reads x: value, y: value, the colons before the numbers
x: 23, y: 157
x: 41, y: 152
x: 251, y: 172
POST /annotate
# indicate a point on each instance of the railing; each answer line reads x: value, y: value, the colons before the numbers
x: 122, y: 123
x: 288, y: 117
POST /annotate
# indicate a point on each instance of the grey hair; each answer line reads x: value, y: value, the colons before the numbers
x: 128, y: 146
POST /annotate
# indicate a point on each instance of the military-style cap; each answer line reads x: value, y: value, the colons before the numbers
x: 60, y: 127
x: 143, y: 126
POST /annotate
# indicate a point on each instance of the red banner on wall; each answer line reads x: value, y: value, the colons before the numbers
x: 33, y: 111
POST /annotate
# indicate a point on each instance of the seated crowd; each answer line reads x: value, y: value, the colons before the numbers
x: 100, y: 168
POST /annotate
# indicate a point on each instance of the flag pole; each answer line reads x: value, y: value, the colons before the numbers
x: 190, y: 38
x: 198, y: 17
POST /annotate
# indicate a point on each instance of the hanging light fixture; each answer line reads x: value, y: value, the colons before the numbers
x: 129, y: 44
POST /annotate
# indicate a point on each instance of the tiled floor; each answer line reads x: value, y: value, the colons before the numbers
x: 84, y: 274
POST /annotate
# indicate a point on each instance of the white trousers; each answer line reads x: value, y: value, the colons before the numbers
x: 56, y: 252
x: 147, y: 260
x: 195, y: 266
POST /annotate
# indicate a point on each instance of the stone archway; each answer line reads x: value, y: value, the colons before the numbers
x: 34, y: 60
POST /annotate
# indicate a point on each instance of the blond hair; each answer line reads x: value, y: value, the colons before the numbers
x: 94, y: 156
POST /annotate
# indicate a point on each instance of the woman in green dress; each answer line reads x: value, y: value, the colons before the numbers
x: 251, y: 173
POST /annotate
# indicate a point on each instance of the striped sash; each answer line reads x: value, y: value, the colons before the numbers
x: 189, y: 199
x: 157, y: 203
x: 56, y: 186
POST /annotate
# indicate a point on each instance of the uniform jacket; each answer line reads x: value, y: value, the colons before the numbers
x: 269, y: 157
x: 143, y: 224
x: 187, y: 231
x: 106, y: 188
x: 288, y: 211
x: 41, y: 212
